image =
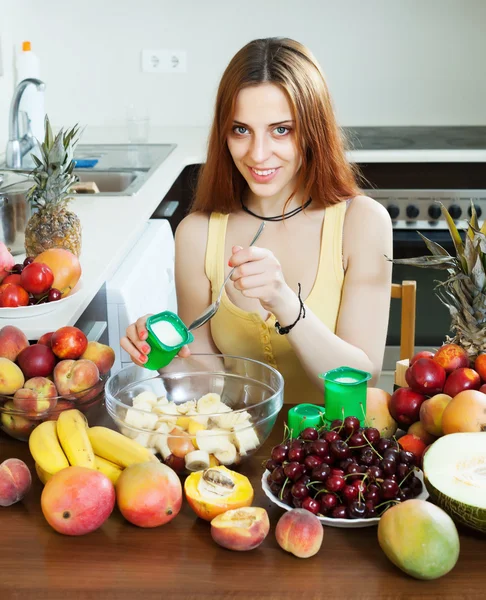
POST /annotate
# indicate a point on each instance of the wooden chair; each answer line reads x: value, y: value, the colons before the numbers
x: 406, y: 292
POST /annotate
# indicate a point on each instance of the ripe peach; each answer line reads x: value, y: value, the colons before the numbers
x: 14, y: 424
x: 77, y: 500
x: 241, y: 529
x: 419, y: 355
x: 451, y: 357
x: 479, y: 365
x: 431, y: 413
x: 460, y: 380
x: 103, y: 356
x: 377, y: 412
x: 15, y: 481
x: 428, y: 377
x: 12, y: 342
x: 11, y: 377
x: 149, y: 494
x: 413, y: 444
x: 299, y: 532
x: 74, y: 376
x: 418, y: 430
x: 37, y: 396
x: 65, y: 266
x: 69, y: 342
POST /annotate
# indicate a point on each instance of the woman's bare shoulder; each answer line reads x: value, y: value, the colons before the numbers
x: 193, y: 229
x: 363, y: 207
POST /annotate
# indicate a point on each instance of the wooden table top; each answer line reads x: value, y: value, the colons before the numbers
x: 180, y: 560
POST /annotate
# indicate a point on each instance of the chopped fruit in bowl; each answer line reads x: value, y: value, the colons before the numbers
x: 199, y: 412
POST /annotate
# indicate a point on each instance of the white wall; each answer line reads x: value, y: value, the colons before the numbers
x: 388, y: 62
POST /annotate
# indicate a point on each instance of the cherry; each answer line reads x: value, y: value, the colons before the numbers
x: 407, y: 493
x: 312, y: 461
x: 340, y: 449
x: 28, y: 260
x: 278, y: 475
x: 392, y: 453
x: 271, y: 464
x: 286, y: 495
x: 18, y: 268
x: 357, y: 510
x: 337, y: 424
x: 53, y: 295
x: 340, y: 512
x: 359, y: 485
x: 350, y: 493
x: 383, y: 445
x: 321, y: 473
x: 335, y: 483
x: 353, y: 471
x: 328, y: 502
x: 357, y: 439
x: 279, y: 453
x: 310, y: 433
x: 294, y: 470
x: 372, y: 496
x: 372, y: 435
x: 407, y: 457
x: 331, y: 436
x: 374, y: 473
x: 389, y: 489
x: 296, y: 502
x: 275, y: 487
x: 415, y: 485
x: 311, y: 505
x: 328, y: 459
x: 402, y: 471
x: 367, y: 456
x: 338, y: 472
x: 346, y: 462
x: 299, y: 491
x: 320, y: 448
x: 389, y: 466
x: 351, y: 425
x: 305, y: 479
x: 296, y: 452
x: 370, y: 509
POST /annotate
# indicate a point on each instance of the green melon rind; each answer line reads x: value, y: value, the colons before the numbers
x: 466, y: 514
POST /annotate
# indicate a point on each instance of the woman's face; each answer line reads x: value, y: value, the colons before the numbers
x: 262, y: 141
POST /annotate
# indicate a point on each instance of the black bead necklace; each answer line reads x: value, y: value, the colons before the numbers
x: 291, y: 213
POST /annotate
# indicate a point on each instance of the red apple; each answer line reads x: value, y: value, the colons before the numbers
x: 460, y: 380
x: 428, y: 377
x: 405, y: 406
x: 36, y: 361
x: 419, y: 355
x: 69, y: 342
x: 409, y: 378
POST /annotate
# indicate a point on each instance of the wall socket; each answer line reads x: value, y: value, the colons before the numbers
x: 164, y: 61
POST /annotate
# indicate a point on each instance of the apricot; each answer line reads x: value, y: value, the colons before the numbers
x: 15, y: 481
x: 460, y: 380
x: 451, y: 357
x: 299, y: 532
x: 75, y: 376
x: 241, y: 529
x: 11, y: 377
x: 12, y: 342
x: 418, y: 430
x: 431, y: 413
x: 377, y: 412
x: 102, y: 355
x: 149, y: 494
x: 466, y: 412
x: 77, y: 500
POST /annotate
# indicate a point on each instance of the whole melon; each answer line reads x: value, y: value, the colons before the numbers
x: 65, y: 267
x: 419, y: 538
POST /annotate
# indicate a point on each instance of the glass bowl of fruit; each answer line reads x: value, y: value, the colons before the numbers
x: 348, y: 475
x: 197, y: 412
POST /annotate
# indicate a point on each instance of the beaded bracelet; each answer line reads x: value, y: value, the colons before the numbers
x: 284, y: 330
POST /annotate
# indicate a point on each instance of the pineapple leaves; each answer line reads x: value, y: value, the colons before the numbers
x: 456, y: 238
x: 433, y: 247
x: 428, y: 262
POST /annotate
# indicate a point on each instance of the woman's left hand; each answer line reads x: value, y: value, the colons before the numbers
x: 258, y: 274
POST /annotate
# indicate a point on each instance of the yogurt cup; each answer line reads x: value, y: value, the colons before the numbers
x: 166, y: 336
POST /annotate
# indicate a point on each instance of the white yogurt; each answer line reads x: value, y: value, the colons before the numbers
x: 167, y: 333
x: 345, y: 380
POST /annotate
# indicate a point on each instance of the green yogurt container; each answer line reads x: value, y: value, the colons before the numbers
x: 160, y: 353
x: 345, y: 393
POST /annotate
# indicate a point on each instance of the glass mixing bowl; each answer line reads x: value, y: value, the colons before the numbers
x: 207, y: 406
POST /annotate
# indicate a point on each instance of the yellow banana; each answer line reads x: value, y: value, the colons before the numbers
x: 117, y: 448
x: 44, y: 476
x: 72, y: 429
x: 108, y: 468
x: 45, y: 448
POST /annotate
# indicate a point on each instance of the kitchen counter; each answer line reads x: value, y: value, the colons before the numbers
x: 112, y: 224
x: 180, y: 560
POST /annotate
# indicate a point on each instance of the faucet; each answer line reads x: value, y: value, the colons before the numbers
x: 18, y: 147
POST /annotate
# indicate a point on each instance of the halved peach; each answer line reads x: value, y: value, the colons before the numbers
x: 241, y: 529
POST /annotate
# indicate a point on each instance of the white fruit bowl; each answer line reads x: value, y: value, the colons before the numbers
x: 249, y: 390
x: 36, y: 310
x: 341, y: 523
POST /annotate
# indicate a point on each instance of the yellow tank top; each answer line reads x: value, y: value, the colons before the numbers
x: 241, y: 333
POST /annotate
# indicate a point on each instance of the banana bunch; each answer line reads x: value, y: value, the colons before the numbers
x: 219, y: 434
x: 69, y: 441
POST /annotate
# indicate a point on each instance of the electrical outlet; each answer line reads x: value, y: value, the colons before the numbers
x: 164, y: 61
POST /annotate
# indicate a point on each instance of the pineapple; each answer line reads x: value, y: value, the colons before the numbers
x: 464, y: 291
x: 52, y: 225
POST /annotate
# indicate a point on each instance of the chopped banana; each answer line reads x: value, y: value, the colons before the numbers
x: 232, y: 419
x: 162, y: 400
x: 145, y: 397
x: 208, y: 404
x: 245, y: 438
x: 143, y: 439
x: 212, y: 440
x: 198, y: 460
x: 194, y: 426
x: 226, y: 454
x: 142, y: 405
x: 185, y: 407
x: 161, y: 445
x: 140, y: 419
x: 167, y: 409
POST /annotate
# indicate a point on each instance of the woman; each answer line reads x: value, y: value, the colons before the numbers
x: 314, y: 292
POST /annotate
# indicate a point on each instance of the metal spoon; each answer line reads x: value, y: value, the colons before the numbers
x: 212, y: 308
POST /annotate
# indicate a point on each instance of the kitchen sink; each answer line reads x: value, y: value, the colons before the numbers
x: 111, y: 182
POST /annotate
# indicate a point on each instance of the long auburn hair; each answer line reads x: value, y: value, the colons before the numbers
x: 325, y: 173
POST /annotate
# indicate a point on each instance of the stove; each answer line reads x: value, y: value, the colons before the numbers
x: 411, y: 170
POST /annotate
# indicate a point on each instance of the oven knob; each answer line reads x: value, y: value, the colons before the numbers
x: 412, y: 211
x: 455, y: 211
x: 478, y: 210
x: 434, y: 211
x: 393, y: 211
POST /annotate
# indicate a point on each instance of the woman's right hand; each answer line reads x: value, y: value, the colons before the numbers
x: 136, y: 345
x: 135, y: 342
